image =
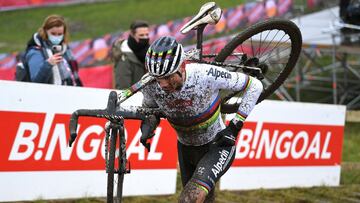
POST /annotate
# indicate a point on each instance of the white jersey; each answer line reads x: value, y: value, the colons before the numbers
x: 194, y: 111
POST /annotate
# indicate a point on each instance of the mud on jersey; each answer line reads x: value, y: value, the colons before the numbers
x: 194, y: 111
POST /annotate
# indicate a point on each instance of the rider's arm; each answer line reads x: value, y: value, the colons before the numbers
x: 220, y: 78
x: 251, y: 87
x: 148, y: 100
x: 151, y: 122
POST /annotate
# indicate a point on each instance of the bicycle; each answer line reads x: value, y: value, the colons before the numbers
x: 255, y: 59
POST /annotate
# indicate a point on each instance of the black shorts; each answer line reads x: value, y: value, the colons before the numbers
x: 204, y: 164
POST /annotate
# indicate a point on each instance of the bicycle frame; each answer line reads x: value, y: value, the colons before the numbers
x: 114, y: 131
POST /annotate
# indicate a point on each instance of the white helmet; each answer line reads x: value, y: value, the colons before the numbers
x: 164, y: 57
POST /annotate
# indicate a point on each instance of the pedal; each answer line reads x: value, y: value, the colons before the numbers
x: 209, y: 13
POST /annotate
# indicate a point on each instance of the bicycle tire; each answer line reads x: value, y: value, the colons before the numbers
x: 111, y: 167
x: 245, y: 37
x: 122, y: 167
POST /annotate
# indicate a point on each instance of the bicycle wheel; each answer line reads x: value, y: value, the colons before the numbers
x: 112, y: 171
x: 121, y: 166
x: 273, y: 46
x: 111, y: 166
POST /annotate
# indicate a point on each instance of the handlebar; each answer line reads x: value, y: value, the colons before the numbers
x: 110, y: 113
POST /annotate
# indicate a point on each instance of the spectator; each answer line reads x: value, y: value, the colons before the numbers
x: 48, y: 57
x: 129, y: 55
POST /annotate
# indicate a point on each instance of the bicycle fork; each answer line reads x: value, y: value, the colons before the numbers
x: 115, y: 131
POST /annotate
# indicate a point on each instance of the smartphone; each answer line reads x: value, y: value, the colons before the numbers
x: 56, y: 49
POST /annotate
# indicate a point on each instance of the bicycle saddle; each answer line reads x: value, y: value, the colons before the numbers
x: 209, y: 13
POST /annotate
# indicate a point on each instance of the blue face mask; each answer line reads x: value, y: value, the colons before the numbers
x: 55, y: 40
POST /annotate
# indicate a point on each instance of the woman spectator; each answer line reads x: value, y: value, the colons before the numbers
x: 48, y: 57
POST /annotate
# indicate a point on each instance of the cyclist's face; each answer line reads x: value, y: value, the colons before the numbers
x: 171, y: 83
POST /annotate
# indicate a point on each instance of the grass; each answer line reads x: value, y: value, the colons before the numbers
x: 96, y: 19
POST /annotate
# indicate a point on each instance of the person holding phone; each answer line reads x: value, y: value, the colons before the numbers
x: 48, y: 57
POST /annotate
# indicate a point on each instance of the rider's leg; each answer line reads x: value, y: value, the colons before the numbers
x: 210, y: 197
x: 197, y: 192
x: 188, y: 157
x: 201, y: 186
x: 192, y: 193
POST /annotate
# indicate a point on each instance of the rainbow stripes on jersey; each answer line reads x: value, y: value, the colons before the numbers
x: 241, y: 116
x: 201, y: 121
x: 247, y: 83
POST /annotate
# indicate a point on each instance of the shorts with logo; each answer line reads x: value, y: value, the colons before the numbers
x: 204, y: 164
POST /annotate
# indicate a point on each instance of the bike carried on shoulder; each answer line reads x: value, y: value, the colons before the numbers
x: 267, y: 50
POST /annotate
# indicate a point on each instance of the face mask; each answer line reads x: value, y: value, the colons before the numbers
x: 144, y: 42
x: 55, y: 40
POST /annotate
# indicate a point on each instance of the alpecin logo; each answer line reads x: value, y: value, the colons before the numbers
x: 219, y: 166
x: 218, y: 73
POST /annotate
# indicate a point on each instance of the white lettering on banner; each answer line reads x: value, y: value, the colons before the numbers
x: 283, y: 154
x: 22, y: 140
x: 243, y: 147
x: 25, y: 144
x: 153, y: 155
x: 49, y: 117
x: 270, y: 145
x: 298, y: 154
x: 324, y: 153
x: 95, y: 143
x: 59, y: 135
x: 136, y: 147
x: 282, y: 145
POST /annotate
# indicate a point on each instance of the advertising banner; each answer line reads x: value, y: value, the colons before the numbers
x: 282, y: 144
x: 287, y: 144
x: 37, y: 163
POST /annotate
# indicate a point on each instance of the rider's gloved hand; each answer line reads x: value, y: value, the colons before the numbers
x: 227, y: 137
x: 148, y: 125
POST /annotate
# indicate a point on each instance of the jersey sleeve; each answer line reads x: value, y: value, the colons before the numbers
x: 221, y: 78
x: 148, y: 100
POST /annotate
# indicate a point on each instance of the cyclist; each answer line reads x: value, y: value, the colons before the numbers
x: 188, y: 95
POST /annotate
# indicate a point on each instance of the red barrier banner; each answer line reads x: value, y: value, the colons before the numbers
x: 98, y: 76
x: 35, y: 157
x: 287, y: 144
x: 36, y: 142
x: 282, y: 144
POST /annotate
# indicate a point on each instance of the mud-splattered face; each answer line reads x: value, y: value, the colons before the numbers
x: 171, y: 83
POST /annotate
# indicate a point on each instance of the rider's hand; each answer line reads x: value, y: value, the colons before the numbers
x: 227, y: 137
x: 148, y: 125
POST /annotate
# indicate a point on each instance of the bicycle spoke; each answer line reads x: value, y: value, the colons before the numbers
x: 275, y: 45
x: 280, y: 51
x: 270, y: 42
x: 263, y: 40
x: 259, y: 47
